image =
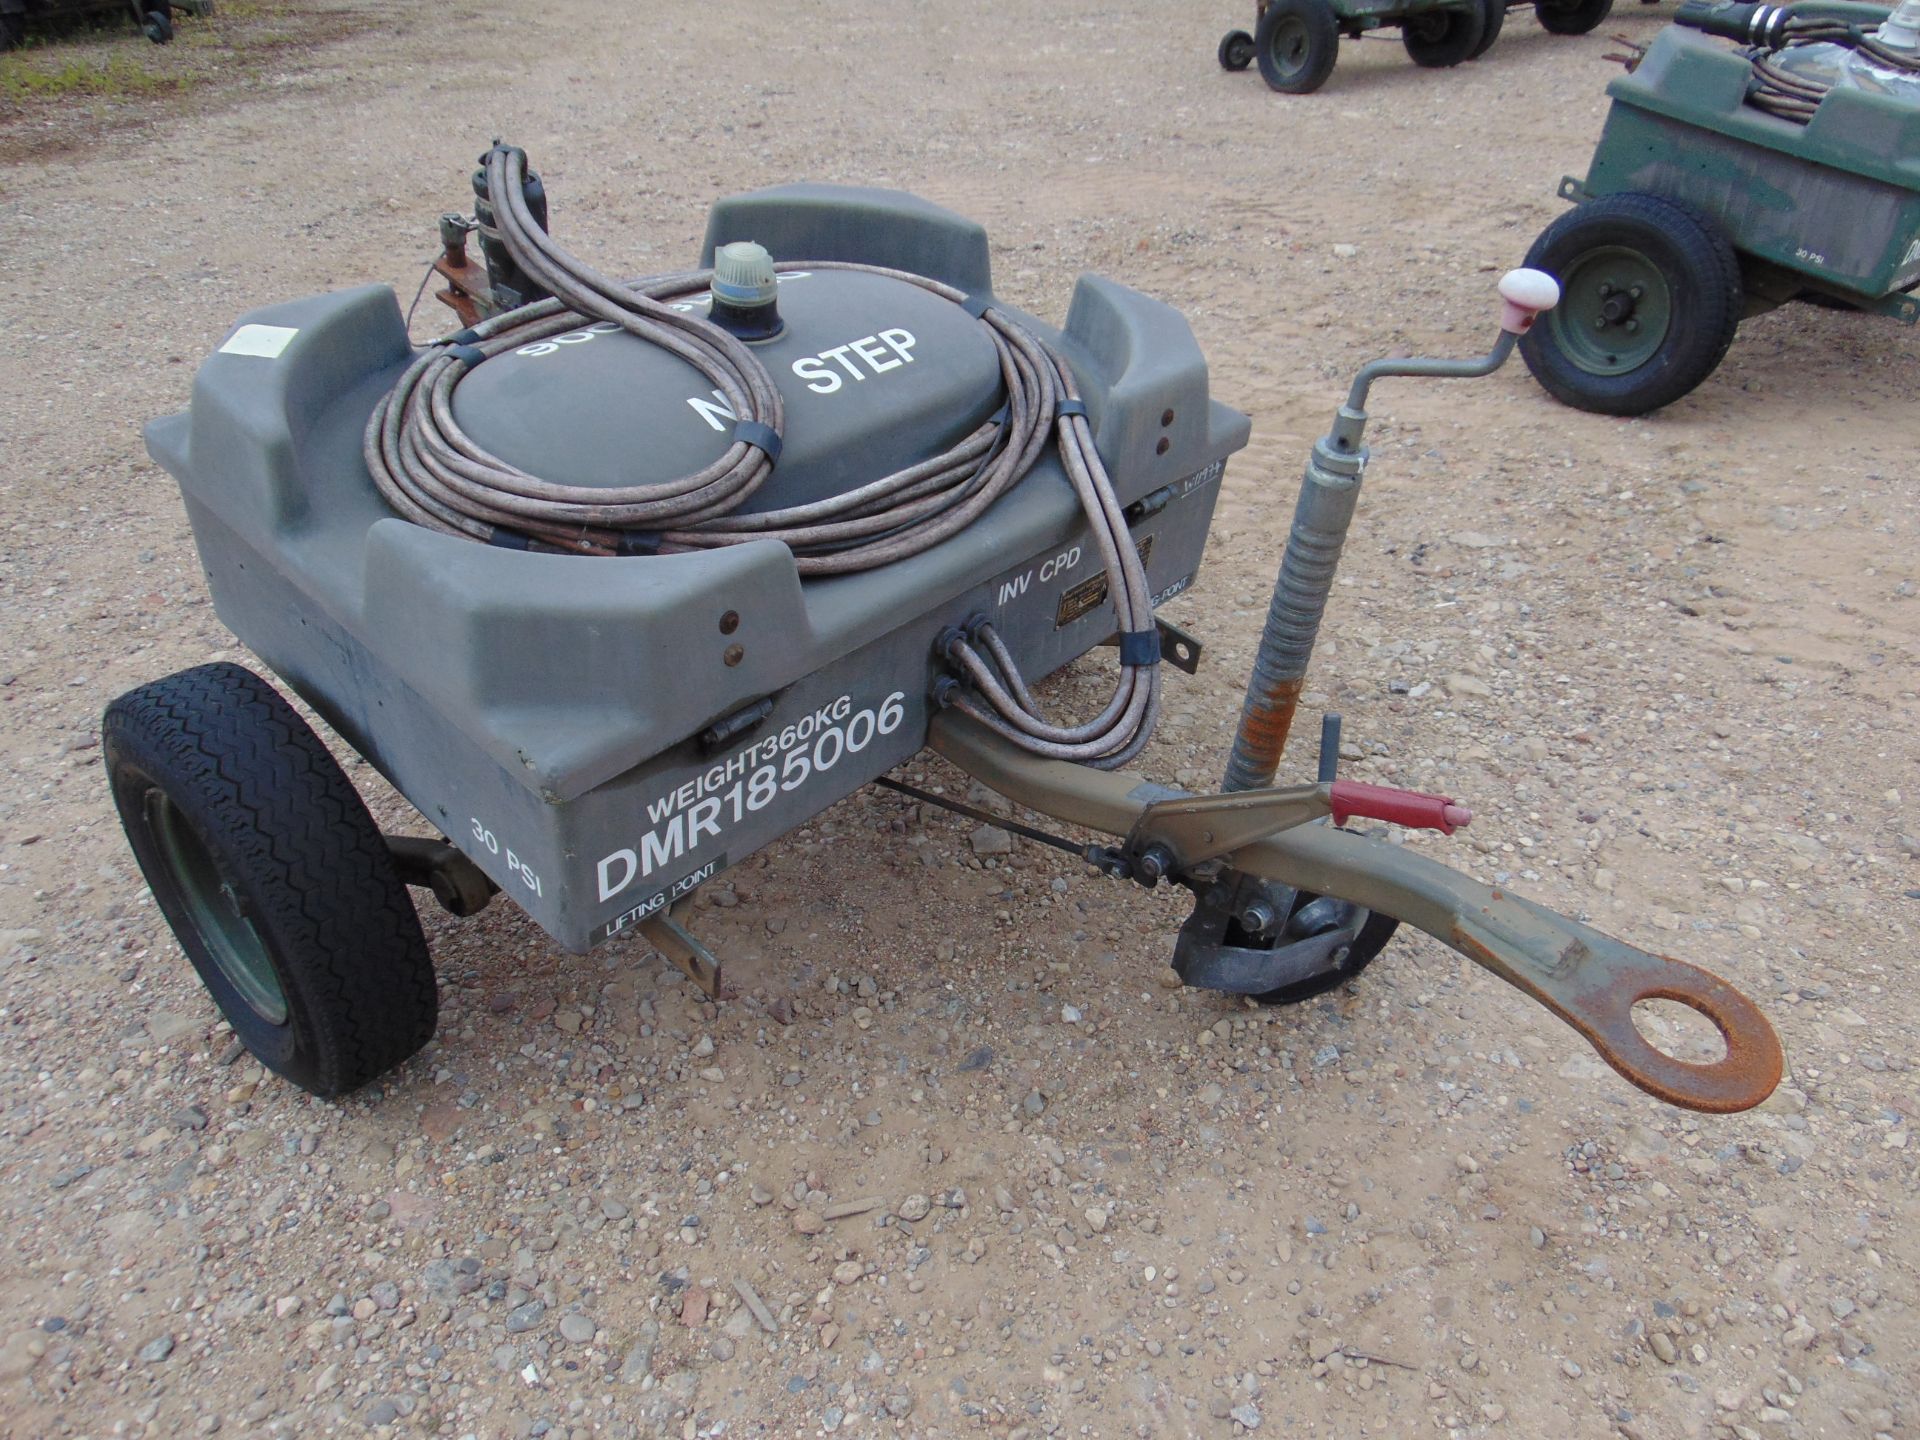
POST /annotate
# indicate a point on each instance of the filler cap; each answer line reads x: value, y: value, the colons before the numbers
x: 744, y: 288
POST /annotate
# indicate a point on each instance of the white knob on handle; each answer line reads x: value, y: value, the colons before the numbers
x: 1525, y: 294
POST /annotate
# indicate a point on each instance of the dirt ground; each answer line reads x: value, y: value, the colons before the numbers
x: 1671, y: 662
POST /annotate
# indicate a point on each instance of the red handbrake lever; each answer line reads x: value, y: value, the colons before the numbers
x: 1402, y: 807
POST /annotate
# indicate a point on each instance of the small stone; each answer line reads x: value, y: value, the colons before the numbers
x: 577, y: 1328
x: 1571, y: 1369
x: 991, y: 840
x: 1070, y: 1014
x: 805, y: 1222
x: 1035, y: 1104
x: 638, y: 1364
x: 915, y: 1207
x: 382, y: 1412
x: 1097, y: 1218
x: 847, y: 1272
x: 1247, y: 1415
x: 567, y: 1022
x: 1466, y: 1164
x: 524, y: 1317
x: 760, y: 1195
x: 1466, y: 685
x: 157, y: 1349
x: 1662, y: 1345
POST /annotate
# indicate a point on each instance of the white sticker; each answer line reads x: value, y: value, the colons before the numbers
x: 266, y: 341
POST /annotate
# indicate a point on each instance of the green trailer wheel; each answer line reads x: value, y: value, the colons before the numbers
x: 1296, y: 43
x: 1236, y: 50
x: 1439, y: 39
x: 1650, y: 298
x: 1571, y: 17
x: 1494, y: 14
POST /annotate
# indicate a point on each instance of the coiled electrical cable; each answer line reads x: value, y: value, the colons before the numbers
x: 1780, y: 91
x: 432, y: 473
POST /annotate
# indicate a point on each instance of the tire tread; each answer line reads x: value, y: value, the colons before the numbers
x: 288, y: 816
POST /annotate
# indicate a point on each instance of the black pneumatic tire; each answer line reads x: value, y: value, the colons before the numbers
x: 1440, y: 39
x: 1493, y: 14
x: 272, y: 874
x: 1236, y: 50
x: 1571, y: 17
x: 158, y: 26
x: 1692, y: 308
x: 1296, y: 43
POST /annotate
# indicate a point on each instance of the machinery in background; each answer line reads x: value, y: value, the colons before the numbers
x: 1297, y: 41
x: 1728, y: 181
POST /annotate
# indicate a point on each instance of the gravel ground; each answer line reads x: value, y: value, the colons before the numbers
x: 956, y: 1161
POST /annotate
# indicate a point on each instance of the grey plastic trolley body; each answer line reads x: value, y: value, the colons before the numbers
x: 601, y: 735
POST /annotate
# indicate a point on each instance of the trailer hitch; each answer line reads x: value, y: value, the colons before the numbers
x: 1286, y: 906
x: 1590, y: 980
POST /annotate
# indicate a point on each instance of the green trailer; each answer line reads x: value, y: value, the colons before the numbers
x: 1730, y: 181
x: 1297, y: 41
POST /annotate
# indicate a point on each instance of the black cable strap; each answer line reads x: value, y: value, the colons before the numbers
x: 761, y: 437
x: 1140, y: 647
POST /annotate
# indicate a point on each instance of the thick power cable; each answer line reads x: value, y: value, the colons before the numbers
x: 436, y: 475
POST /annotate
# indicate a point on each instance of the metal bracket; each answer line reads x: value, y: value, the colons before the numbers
x: 461, y: 887
x: 1178, y: 648
x: 1901, y: 307
x: 689, y: 956
x: 1199, y: 828
x: 1574, y: 190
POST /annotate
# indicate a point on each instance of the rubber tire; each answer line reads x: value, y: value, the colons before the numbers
x: 1323, y: 45
x: 158, y: 26
x: 1459, y: 32
x: 1571, y: 17
x: 1374, y: 934
x: 305, y: 865
x: 1494, y: 14
x: 1236, y: 50
x: 1702, y: 273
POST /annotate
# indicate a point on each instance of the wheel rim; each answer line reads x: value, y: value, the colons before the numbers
x: 1288, y: 46
x: 215, y: 911
x: 1615, y: 311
